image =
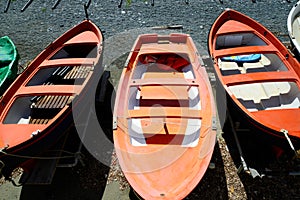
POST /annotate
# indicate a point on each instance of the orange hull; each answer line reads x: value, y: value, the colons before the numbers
x: 164, y: 116
x: 258, y: 73
x: 40, y: 99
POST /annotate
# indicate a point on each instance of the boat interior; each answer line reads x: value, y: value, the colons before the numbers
x: 239, y: 64
x: 269, y: 95
x: 161, y: 91
x: 36, y: 109
x: 81, y: 50
x: 238, y: 39
x: 267, y: 63
x: 41, y: 108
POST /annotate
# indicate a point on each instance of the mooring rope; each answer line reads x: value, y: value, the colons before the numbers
x: 285, y: 132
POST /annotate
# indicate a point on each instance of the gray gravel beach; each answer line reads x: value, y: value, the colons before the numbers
x: 33, y: 29
x: 36, y: 27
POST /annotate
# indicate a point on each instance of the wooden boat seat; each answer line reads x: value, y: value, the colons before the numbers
x: 164, y: 93
x: 179, y: 112
x: 163, y: 82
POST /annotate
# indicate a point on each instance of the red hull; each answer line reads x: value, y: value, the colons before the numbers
x: 36, y: 110
x: 264, y: 89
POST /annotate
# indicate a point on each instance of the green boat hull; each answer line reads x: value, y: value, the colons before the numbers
x: 9, y: 59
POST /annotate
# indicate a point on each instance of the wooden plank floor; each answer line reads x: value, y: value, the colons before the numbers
x: 47, y: 107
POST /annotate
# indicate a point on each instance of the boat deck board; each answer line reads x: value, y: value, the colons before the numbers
x: 43, y: 110
x: 165, y: 112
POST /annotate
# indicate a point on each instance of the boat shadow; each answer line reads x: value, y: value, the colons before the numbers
x: 84, y: 180
x: 87, y: 179
x: 79, y: 182
x: 213, y: 184
x: 259, y: 156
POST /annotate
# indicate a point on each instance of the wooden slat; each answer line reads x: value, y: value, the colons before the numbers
x: 68, y: 75
x: 52, y: 101
x: 87, y: 71
x: 63, y: 102
x: 41, y: 102
x: 57, y: 101
x: 48, y: 103
x: 163, y: 81
x: 75, y: 72
x: 181, y: 112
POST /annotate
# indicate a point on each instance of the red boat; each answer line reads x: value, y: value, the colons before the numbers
x: 164, y: 117
x: 260, y: 76
x: 36, y: 109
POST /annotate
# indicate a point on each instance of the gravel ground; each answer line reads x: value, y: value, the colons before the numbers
x: 33, y: 29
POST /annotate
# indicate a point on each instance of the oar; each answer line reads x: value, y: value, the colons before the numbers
x: 7, y: 6
x: 26, y: 5
x: 56, y: 4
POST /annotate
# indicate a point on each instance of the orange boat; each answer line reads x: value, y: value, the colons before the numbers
x: 164, y: 117
x: 36, y: 109
x: 260, y: 76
